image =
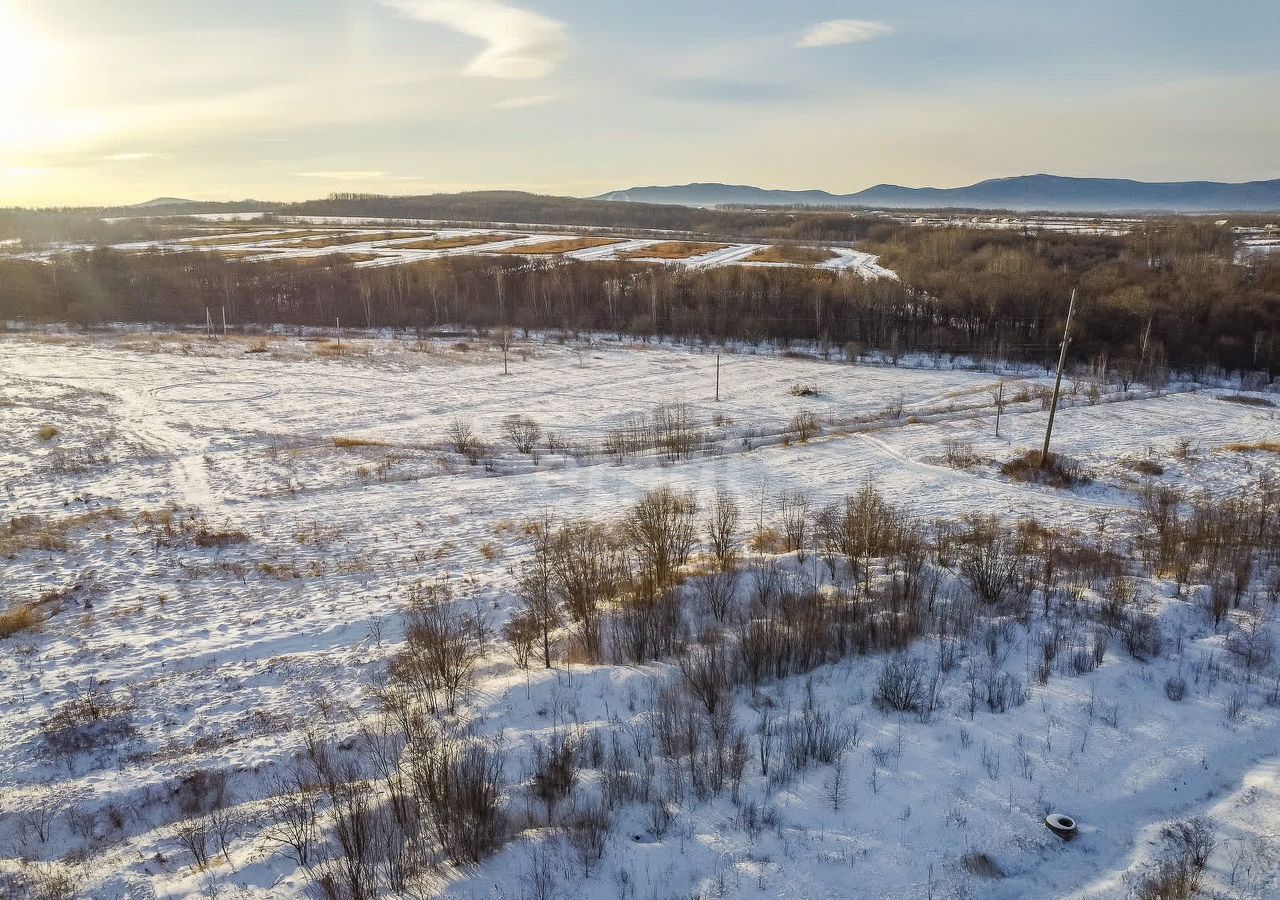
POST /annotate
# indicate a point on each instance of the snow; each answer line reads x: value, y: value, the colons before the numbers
x: 229, y: 653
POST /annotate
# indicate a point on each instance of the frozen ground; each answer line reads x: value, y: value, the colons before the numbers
x: 226, y: 653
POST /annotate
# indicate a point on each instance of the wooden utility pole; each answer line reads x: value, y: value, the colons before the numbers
x: 999, y: 406
x: 1057, y: 382
x: 717, y: 377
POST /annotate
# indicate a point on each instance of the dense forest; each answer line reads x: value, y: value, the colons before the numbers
x: 1168, y: 294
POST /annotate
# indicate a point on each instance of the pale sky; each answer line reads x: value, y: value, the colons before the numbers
x: 119, y: 101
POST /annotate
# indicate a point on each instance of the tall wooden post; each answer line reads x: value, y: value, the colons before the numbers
x: 1057, y: 381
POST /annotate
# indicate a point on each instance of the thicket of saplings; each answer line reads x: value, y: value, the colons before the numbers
x: 968, y: 616
x: 1165, y: 296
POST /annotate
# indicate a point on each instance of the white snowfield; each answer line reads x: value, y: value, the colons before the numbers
x: 227, y: 653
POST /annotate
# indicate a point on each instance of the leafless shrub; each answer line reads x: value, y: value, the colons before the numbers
x: 588, y: 569
x: 647, y: 626
x: 554, y: 770
x: 1177, y: 876
x: 51, y: 881
x: 660, y: 529
x: 717, y: 593
x: 291, y: 811
x: 1175, y: 688
x: 442, y: 648
x: 521, y: 633
x: 1143, y: 637
x: 535, y: 586
x: 193, y: 836
x: 708, y: 675
x: 522, y: 433
x: 804, y: 426
x: 900, y: 686
x: 795, y: 524
x: 41, y: 809
x: 94, y: 718
x: 722, y: 529
x: 459, y: 781
x: 587, y: 829
x: 1252, y: 643
x: 959, y: 453
x: 1236, y: 703
x: 460, y: 436
x: 990, y: 561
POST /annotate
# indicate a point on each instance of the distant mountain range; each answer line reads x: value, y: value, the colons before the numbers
x: 1052, y: 193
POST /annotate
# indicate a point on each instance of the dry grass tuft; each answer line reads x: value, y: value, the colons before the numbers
x: 48, y: 432
x: 219, y: 538
x: 1246, y: 400
x: 982, y: 865
x: 343, y: 239
x: 789, y: 253
x: 673, y: 250
x: 348, y: 443
x: 453, y: 243
x: 24, y: 533
x: 562, y: 246
x: 1264, y: 446
x: 1143, y: 466
x: 1058, y: 470
x: 24, y: 617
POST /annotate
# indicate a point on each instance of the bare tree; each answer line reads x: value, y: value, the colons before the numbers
x: 442, y: 647
x: 660, y: 528
x: 535, y: 587
x: 522, y: 433
x: 722, y: 522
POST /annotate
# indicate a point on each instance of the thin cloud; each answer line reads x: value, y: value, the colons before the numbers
x: 518, y: 43
x: 131, y: 157
x: 843, y: 31
x: 521, y: 102
x: 343, y: 176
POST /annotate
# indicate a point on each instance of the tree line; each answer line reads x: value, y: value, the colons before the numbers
x: 1166, y: 295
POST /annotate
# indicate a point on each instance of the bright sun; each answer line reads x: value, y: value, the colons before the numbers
x: 25, y: 70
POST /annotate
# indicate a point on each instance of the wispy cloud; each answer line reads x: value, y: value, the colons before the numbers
x: 518, y: 43
x: 131, y: 157
x: 521, y: 102
x: 843, y: 31
x: 344, y: 176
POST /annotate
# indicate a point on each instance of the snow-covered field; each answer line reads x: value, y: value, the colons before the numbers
x: 386, y: 242
x: 221, y: 537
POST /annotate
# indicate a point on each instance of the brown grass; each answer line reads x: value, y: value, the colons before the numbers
x: 349, y: 442
x: 25, y: 533
x: 562, y: 246
x: 672, y: 250
x: 218, y: 538
x: 47, y: 432
x: 252, y: 239
x: 452, y: 243
x: 788, y: 253
x: 1264, y: 446
x: 1058, y: 471
x: 24, y: 617
x: 340, y: 240
x: 982, y: 865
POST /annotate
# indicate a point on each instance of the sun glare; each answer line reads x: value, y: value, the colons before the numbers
x: 26, y: 72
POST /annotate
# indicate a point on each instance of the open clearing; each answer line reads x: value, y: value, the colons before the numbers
x: 221, y: 536
x: 785, y: 253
